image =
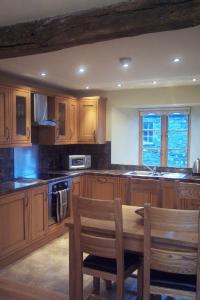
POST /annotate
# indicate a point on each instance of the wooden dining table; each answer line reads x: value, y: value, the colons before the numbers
x: 133, y: 236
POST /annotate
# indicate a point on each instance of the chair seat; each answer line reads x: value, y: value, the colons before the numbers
x: 173, y: 281
x: 109, y: 264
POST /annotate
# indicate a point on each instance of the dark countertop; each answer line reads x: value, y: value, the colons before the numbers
x: 18, y: 185
x: 121, y: 173
x: 15, y: 186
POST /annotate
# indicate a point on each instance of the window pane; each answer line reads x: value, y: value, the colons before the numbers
x: 151, y: 157
x: 151, y: 139
x: 177, y: 140
x: 177, y: 158
x: 152, y: 121
x: 177, y: 121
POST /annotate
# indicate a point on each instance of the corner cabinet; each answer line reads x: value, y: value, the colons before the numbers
x: 65, y: 111
x: 15, y: 117
x: 92, y: 120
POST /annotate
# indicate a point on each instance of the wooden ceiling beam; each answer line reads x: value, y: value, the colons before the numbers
x: 124, y: 19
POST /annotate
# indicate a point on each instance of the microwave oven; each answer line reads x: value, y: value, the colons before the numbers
x: 76, y: 162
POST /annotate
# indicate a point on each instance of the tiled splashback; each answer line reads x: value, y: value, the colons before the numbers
x: 6, y: 164
x: 31, y: 160
x: 54, y: 157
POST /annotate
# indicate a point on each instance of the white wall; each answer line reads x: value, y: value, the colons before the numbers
x: 123, y: 120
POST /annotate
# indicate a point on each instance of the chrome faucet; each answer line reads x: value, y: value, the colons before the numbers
x: 153, y: 170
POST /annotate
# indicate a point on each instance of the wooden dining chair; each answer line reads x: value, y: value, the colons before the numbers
x: 188, y: 195
x: 168, y: 270
x: 106, y: 257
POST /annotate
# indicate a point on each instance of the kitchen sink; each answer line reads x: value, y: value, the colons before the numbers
x: 139, y: 173
x: 156, y: 174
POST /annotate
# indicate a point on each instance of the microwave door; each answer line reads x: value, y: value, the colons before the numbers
x: 78, y: 163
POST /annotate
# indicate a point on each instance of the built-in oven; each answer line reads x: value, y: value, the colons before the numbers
x: 59, y: 200
x: 75, y: 162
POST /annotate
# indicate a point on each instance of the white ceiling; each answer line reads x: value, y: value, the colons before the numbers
x: 152, y: 59
x: 15, y: 11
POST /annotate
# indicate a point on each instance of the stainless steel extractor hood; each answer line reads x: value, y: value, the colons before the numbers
x: 41, y: 111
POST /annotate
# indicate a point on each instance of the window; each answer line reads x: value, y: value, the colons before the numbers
x: 164, y: 137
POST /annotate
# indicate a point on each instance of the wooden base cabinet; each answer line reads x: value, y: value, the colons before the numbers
x: 141, y: 191
x: 14, y: 223
x: 102, y: 187
x: 24, y: 224
x: 168, y: 190
x: 38, y: 212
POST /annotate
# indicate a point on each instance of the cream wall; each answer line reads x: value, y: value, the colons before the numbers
x: 123, y: 123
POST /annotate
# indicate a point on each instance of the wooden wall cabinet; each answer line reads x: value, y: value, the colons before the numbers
x: 102, y: 187
x: 5, y: 137
x: 72, y: 115
x: 92, y: 120
x: 38, y: 212
x: 65, y: 111
x: 14, y: 229
x: 15, y: 117
x: 21, y: 117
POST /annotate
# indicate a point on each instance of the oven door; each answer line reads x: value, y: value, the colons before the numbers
x: 58, y: 206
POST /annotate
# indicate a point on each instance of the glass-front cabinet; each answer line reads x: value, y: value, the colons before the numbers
x: 21, y: 117
x: 61, y: 119
x: 5, y: 133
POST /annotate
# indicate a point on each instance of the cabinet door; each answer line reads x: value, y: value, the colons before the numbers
x: 73, y: 121
x: 13, y: 222
x: 21, y: 117
x: 5, y: 119
x: 123, y: 190
x: 61, y: 118
x: 102, y: 187
x: 88, y: 120
x: 168, y: 194
x: 76, y: 189
x: 141, y: 191
x: 38, y: 212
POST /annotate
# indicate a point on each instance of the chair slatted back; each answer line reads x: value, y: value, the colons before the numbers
x: 98, y: 211
x: 188, y: 195
x: 168, y: 259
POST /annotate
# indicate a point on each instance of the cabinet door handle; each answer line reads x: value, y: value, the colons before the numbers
x: 7, y: 133
x: 28, y: 132
x: 94, y: 136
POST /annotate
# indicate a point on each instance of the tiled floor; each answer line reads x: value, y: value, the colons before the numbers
x: 47, y: 268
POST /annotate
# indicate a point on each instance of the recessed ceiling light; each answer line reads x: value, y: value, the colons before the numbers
x: 194, y: 79
x: 125, y: 62
x: 43, y: 74
x: 87, y: 87
x: 176, y: 60
x: 119, y: 84
x: 81, y: 70
x: 155, y: 82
